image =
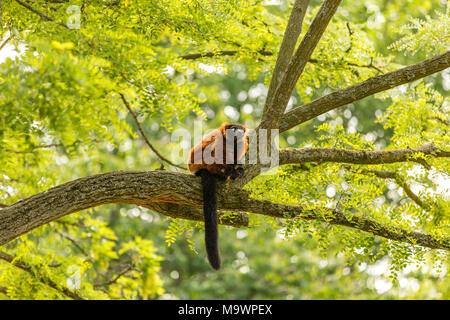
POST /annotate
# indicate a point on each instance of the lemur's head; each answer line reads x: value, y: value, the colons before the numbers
x: 235, y: 130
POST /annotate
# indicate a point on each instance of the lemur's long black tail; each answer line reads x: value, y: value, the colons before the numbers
x: 210, y: 213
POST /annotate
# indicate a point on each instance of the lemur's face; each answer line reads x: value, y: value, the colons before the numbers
x: 236, y: 130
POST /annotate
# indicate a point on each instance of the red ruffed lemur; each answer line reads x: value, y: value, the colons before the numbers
x: 217, y: 157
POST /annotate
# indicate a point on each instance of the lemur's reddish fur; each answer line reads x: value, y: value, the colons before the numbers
x: 209, y: 139
x: 210, y: 168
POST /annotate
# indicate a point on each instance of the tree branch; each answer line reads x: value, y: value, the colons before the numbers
x: 302, y: 155
x: 117, y: 277
x: 193, y: 56
x: 75, y: 243
x: 147, y: 189
x: 277, y: 103
x: 321, y: 155
x: 210, y: 54
x: 43, y: 16
x: 163, y: 189
x: 291, y: 34
x: 364, y: 89
x: 385, y: 174
x: 5, y: 42
x: 335, y: 217
x: 44, y: 279
x: 127, y: 105
x: 46, y: 146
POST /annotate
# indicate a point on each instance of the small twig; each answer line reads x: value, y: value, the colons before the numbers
x: 422, y: 162
x: 5, y: 42
x: 35, y: 147
x: 45, y: 146
x: 369, y: 65
x: 385, y: 174
x: 43, y: 16
x: 114, y: 280
x: 210, y: 54
x: 81, y: 225
x: 443, y: 121
x: 75, y: 243
x: 350, y: 31
x: 127, y: 105
x: 192, y: 56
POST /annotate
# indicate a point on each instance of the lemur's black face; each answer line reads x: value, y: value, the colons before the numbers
x: 236, y: 130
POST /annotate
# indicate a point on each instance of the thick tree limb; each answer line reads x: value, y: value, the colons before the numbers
x: 42, y: 278
x: 321, y: 155
x: 159, y: 190
x: 302, y: 155
x: 361, y: 223
x: 364, y: 89
x: 176, y: 190
x: 291, y: 34
x: 277, y: 103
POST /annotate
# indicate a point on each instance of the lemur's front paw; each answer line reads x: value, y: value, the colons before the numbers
x: 237, y: 173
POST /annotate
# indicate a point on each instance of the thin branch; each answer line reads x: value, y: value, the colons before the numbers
x: 5, y: 42
x: 335, y: 217
x: 350, y: 31
x: 385, y: 174
x: 114, y: 280
x: 44, y: 279
x: 193, y: 56
x: 127, y: 105
x: 43, y: 16
x: 443, y: 121
x: 210, y: 54
x: 75, y: 243
x: 368, y: 66
x: 364, y: 89
x: 47, y: 146
x: 35, y: 147
x: 277, y: 103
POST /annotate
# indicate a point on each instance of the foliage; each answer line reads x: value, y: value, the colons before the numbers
x: 428, y: 35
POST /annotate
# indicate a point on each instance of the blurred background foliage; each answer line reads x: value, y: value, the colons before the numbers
x: 61, y: 118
